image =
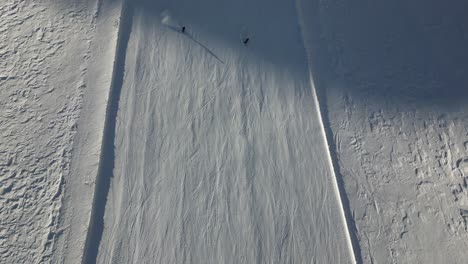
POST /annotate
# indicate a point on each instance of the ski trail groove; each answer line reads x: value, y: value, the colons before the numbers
x: 106, y: 160
x: 340, y: 192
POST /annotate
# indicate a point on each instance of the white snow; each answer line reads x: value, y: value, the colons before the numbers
x: 268, y: 131
x: 220, y: 155
x: 395, y: 81
x: 82, y: 184
x: 44, y: 51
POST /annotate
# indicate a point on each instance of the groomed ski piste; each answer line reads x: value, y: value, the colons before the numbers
x: 219, y: 155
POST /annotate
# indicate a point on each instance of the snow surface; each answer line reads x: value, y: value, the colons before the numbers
x: 43, y: 62
x: 394, y: 76
x: 220, y: 154
x: 337, y: 134
x: 82, y: 184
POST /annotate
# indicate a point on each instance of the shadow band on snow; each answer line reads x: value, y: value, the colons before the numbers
x: 196, y: 41
x: 107, y: 158
x: 406, y: 54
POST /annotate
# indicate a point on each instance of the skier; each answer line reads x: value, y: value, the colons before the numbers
x: 183, y: 29
x: 246, y: 40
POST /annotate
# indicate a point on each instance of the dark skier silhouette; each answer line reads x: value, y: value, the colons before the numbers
x: 183, y: 29
x: 246, y: 40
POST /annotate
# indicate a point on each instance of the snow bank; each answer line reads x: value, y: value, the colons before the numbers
x: 83, y: 183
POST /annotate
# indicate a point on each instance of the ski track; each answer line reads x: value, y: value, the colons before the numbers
x: 219, y: 147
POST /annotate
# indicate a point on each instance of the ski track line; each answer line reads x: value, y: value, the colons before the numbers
x: 106, y: 159
x: 340, y: 193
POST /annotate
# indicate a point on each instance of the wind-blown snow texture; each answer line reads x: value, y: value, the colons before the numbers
x: 219, y: 152
x: 43, y: 60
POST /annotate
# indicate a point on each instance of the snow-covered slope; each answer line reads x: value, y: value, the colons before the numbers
x: 125, y: 140
x: 44, y: 50
x: 220, y: 154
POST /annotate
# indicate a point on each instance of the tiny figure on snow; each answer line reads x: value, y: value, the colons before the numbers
x: 183, y: 29
x: 246, y: 40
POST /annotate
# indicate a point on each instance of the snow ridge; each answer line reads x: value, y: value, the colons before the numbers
x: 353, y: 245
x: 106, y: 160
x: 339, y: 192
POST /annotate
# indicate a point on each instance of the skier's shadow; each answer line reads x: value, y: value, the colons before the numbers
x: 178, y: 30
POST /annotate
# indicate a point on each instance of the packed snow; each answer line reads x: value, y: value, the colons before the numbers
x: 220, y: 154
